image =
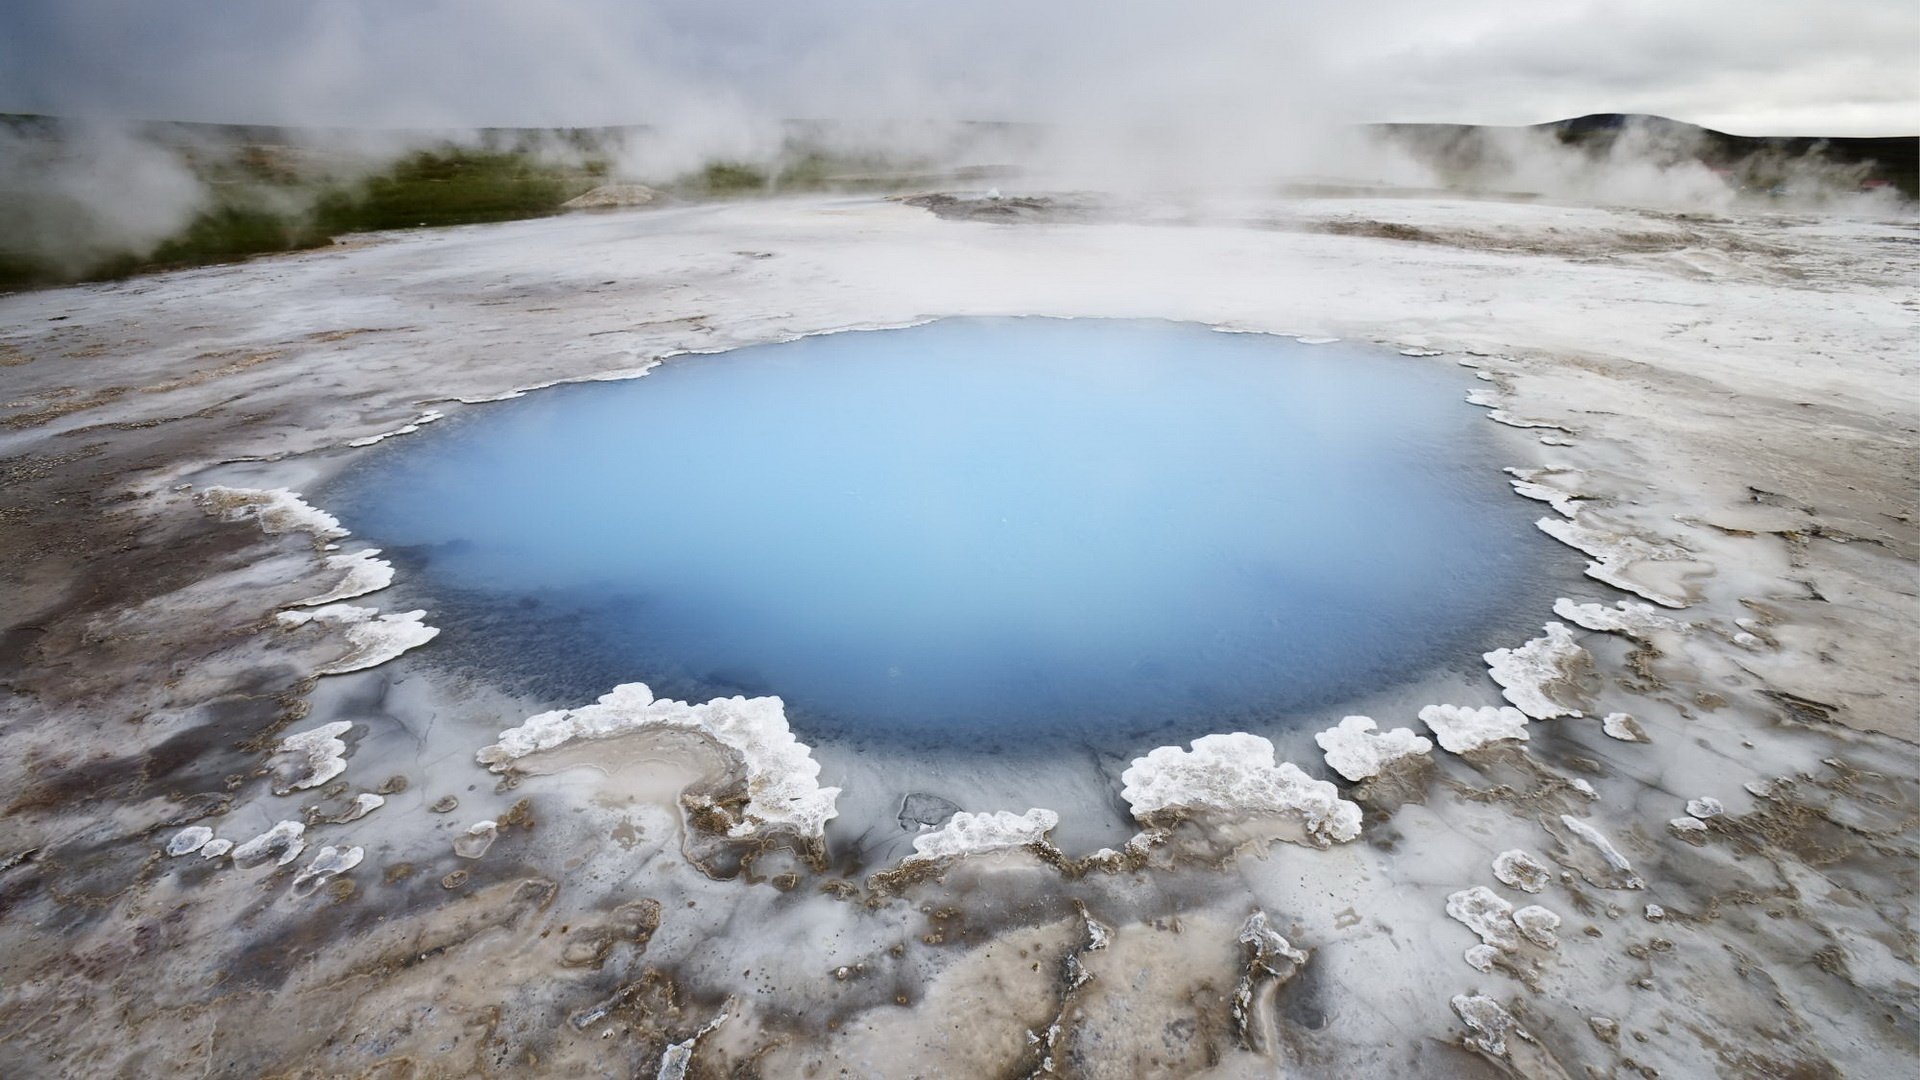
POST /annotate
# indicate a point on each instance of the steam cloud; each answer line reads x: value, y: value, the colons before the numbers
x: 1129, y: 94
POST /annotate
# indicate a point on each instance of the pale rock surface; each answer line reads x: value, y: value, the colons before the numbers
x: 1237, y: 774
x: 1522, y: 871
x: 1461, y: 729
x: 783, y: 785
x: 1356, y: 749
x: 1527, y: 673
x: 974, y: 834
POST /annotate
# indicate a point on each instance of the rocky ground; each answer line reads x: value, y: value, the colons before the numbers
x: 1698, y: 862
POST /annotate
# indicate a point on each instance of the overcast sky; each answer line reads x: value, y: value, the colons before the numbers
x: 1830, y: 67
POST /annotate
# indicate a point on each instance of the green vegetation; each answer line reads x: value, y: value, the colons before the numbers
x: 724, y: 178
x: 259, y: 203
x: 263, y: 192
x: 453, y: 188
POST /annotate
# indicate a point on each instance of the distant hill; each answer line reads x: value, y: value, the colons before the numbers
x: 1754, y: 162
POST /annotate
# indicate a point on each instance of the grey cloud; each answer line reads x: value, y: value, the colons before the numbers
x: 1847, y: 65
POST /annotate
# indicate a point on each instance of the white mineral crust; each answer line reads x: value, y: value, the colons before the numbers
x: 1623, y: 727
x: 1525, y: 673
x: 1482, y: 911
x: 1628, y: 617
x: 374, y: 638
x: 1614, y: 556
x: 1236, y: 774
x: 327, y: 863
x: 361, y: 572
x: 1461, y: 729
x: 311, y: 758
x: 1521, y: 871
x: 1605, y: 847
x: 282, y: 843
x: 1356, y: 749
x: 783, y: 786
x: 275, y: 510
x: 976, y: 834
x: 1538, y: 925
x: 189, y: 840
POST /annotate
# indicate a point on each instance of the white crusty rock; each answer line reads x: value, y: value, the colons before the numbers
x: 783, y: 786
x: 1688, y: 824
x: 1461, y: 729
x: 1269, y: 956
x: 1628, y: 617
x: 1235, y: 774
x: 189, y: 840
x: 1527, y: 674
x: 282, y: 844
x: 1519, y: 870
x: 1487, y: 1020
x: 1481, y: 957
x: 1267, y: 943
x: 978, y: 834
x: 1538, y: 925
x: 1491, y: 400
x: 1615, y: 555
x: 1482, y: 911
x: 374, y: 638
x: 361, y: 574
x: 1705, y: 807
x: 1623, y: 727
x: 327, y: 863
x: 1526, y: 483
x: 275, y: 510
x: 479, y: 836
x: 215, y: 848
x: 363, y: 804
x: 1356, y: 749
x: 1606, y: 849
x: 310, y: 758
x: 409, y: 428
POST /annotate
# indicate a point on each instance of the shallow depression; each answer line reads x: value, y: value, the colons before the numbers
x: 975, y: 531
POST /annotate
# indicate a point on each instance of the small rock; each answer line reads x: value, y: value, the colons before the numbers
x: 919, y: 810
x: 476, y: 840
x: 327, y: 863
x: 1488, y: 1020
x: 189, y: 840
x: 1522, y: 871
x: 1538, y: 924
x: 1624, y: 727
x: 1705, y: 807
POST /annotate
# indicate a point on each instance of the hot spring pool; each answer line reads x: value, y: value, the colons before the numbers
x: 972, y: 532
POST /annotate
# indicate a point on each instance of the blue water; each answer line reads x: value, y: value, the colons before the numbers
x: 971, y: 532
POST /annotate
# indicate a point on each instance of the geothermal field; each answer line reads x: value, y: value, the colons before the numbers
x: 1596, y: 759
x: 1451, y: 612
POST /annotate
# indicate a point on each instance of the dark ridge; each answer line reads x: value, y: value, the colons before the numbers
x: 1761, y: 164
